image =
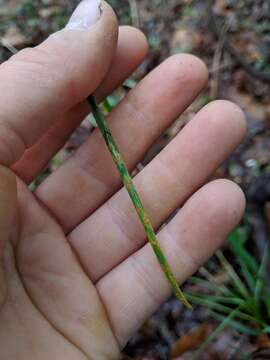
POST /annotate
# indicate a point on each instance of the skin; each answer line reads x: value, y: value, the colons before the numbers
x: 77, y: 277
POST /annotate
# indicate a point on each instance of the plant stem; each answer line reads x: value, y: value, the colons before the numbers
x: 128, y: 183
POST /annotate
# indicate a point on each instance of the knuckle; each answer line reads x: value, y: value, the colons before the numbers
x: 45, y: 67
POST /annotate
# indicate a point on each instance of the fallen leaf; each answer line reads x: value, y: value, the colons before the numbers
x: 190, y: 340
x: 263, y: 342
x: 46, y: 13
x: 14, y: 37
x: 185, y: 40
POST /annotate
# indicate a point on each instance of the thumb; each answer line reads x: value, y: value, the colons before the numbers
x: 37, y: 85
x: 8, y: 199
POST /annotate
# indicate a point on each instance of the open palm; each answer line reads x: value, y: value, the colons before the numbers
x: 77, y: 277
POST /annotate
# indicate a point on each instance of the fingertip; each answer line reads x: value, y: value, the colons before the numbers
x: 180, y: 79
x: 216, y: 209
x: 195, y: 69
x: 225, y: 203
x: 228, y: 188
x: 232, y: 116
x: 225, y: 125
x: 109, y: 18
x: 135, y: 41
x: 132, y: 48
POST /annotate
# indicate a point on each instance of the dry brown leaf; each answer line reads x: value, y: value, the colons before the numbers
x: 186, y: 39
x: 14, y: 37
x: 263, y: 342
x: 249, y: 104
x: 221, y: 7
x: 190, y: 340
x: 46, y: 13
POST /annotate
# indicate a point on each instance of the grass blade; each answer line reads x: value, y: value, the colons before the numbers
x: 218, y: 307
x: 107, y: 105
x: 218, y: 288
x: 237, y: 282
x: 215, y: 333
x: 128, y: 183
x: 248, y: 264
x: 266, y: 301
x: 266, y: 330
x: 260, y: 277
x: 237, y: 325
x: 241, y: 253
x: 228, y: 300
x: 248, y: 276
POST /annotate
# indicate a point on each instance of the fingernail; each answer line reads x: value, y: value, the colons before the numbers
x: 85, y: 15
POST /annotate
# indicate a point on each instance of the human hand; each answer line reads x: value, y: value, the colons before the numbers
x: 77, y: 277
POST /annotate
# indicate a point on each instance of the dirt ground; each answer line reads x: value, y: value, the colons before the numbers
x: 233, y: 39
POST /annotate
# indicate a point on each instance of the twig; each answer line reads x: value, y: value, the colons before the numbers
x: 128, y: 183
x: 214, y: 83
x: 9, y: 47
x: 261, y: 75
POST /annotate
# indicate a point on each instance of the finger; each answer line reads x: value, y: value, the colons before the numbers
x: 8, y: 199
x: 38, y: 85
x: 137, y: 287
x: 131, y: 49
x: 90, y: 177
x: 181, y: 168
